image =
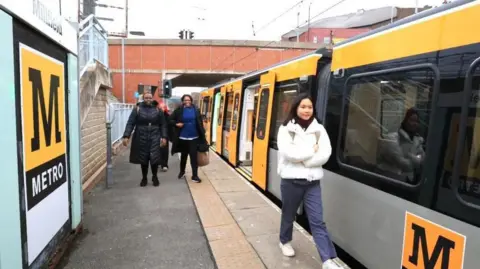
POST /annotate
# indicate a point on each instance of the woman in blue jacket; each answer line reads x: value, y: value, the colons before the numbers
x: 188, y: 135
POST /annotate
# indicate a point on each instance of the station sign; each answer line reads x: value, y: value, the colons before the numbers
x: 44, y: 136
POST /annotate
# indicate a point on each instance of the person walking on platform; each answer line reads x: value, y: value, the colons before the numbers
x: 188, y: 135
x: 164, y: 151
x: 304, y: 146
x: 150, y: 134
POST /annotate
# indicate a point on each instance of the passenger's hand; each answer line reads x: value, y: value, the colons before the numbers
x: 179, y: 125
x: 125, y: 141
x: 163, y: 142
x: 315, y: 148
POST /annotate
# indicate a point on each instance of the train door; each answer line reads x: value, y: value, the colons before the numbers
x: 232, y: 144
x: 262, y: 130
x: 215, y: 108
x: 227, y: 121
x: 221, y: 112
x: 247, y: 130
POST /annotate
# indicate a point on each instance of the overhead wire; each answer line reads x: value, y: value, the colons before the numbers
x: 265, y: 46
x: 324, y: 11
x: 263, y: 27
x: 279, y: 16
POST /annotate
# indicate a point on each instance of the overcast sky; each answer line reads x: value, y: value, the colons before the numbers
x: 228, y: 19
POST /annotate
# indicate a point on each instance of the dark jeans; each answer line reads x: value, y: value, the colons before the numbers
x: 189, y: 148
x: 295, y: 191
x: 164, y: 152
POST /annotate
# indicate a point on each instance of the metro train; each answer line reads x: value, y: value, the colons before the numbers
x: 362, y: 89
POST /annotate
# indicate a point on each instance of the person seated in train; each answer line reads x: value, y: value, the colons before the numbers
x: 150, y: 134
x: 401, y: 153
x: 304, y: 146
x: 188, y: 135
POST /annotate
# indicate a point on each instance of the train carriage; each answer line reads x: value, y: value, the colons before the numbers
x: 363, y: 89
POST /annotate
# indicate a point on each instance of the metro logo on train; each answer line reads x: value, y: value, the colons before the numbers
x: 44, y: 131
x: 427, y: 245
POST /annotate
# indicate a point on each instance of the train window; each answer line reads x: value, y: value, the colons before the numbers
x: 469, y: 187
x: 205, y: 106
x: 262, y: 113
x: 386, y: 123
x: 220, y: 111
x: 236, y: 104
x: 228, y: 115
x: 282, y: 101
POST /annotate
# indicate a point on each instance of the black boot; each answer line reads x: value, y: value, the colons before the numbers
x: 144, y: 181
x: 155, y: 181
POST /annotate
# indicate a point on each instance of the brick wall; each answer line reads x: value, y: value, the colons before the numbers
x: 94, y: 138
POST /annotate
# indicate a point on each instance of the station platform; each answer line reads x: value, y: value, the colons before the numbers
x: 227, y: 225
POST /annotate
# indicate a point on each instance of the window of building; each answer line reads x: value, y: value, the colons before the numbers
x: 263, y: 113
x: 386, y: 124
x: 236, y: 104
x: 282, y: 101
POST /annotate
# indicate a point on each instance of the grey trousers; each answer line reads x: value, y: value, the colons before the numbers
x: 295, y: 191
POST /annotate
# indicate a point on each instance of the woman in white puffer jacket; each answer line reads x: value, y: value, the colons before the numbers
x: 304, y: 146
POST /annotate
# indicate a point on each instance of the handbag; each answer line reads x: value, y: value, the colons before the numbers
x: 203, y: 158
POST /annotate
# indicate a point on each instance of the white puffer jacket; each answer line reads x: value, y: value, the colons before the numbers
x: 296, y: 157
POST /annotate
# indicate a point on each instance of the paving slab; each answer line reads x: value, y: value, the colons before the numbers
x: 242, y: 224
x: 129, y: 227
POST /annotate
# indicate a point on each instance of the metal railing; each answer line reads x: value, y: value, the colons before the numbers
x: 117, y: 117
x: 93, y: 43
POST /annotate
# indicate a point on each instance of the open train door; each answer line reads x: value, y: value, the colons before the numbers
x: 221, y: 112
x: 262, y: 130
x: 234, y: 127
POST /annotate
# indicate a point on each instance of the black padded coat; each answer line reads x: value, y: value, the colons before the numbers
x: 150, y: 127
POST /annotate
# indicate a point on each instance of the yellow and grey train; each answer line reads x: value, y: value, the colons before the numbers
x: 362, y: 89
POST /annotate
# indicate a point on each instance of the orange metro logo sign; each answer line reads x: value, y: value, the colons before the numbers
x: 427, y: 245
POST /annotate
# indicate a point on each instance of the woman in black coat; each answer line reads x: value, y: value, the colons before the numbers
x: 150, y: 134
x: 188, y: 135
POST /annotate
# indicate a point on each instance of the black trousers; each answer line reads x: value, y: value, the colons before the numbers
x: 154, y: 168
x: 189, y: 148
x: 164, y: 152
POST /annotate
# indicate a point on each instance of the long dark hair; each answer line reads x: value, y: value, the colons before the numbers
x: 187, y: 95
x: 292, y: 115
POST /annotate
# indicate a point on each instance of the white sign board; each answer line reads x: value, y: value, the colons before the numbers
x: 44, y: 132
x: 44, y: 16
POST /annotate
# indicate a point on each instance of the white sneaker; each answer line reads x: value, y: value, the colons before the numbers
x: 287, y: 249
x: 331, y: 264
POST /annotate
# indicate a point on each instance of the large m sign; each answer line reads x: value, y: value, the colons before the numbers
x: 427, y: 245
x: 35, y: 77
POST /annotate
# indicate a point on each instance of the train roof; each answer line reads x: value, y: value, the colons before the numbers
x: 325, y: 52
x: 439, y: 29
x: 409, y: 19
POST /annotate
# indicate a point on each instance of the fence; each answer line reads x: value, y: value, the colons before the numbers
x: 117, y: 115
x: 93, y: 43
